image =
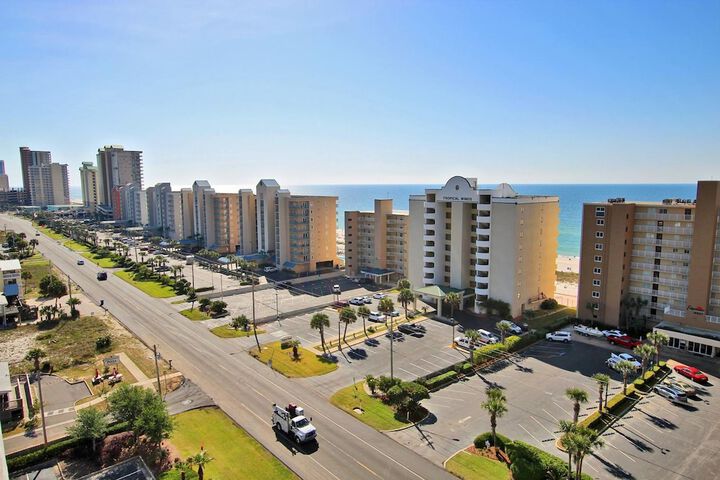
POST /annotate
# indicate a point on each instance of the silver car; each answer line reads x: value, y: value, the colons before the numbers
x: 670, y: 393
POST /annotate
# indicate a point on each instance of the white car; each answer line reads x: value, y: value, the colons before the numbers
x: 565, y: 337
x: 270, y: 269
x: 487, y: 337
x: 394, y: 313
x: 625, y: 356
x: 613, y: 333
x: 357, y: 301
x: 671, y: 394
x: 464, y: 342
x: 336, y: 289
x: 379, y: 296
x: 376, y: 317
x: 514, y: 327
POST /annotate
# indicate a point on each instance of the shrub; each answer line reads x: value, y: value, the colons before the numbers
x: 467, y: 368
x: 549, y: 304
x: 441, y: 380
x: 512, y: 341
x: 489, y: 352
x: 371, y: 329
x: 371, y: 383
x: 386, y: 383
x: 532, y: 463
x: 501, y: 440
x: 662, y: 364
x: 102, y: 344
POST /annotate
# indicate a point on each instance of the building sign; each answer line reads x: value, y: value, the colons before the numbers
x: 112, y: 360
x: 696, y: 310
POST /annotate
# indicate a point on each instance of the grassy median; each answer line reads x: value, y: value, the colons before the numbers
x: 374, y: 412
x: 308, y: 364
x: 102, y: 262
x: 195, y: 314
x: 467, y: 466
x: 152, y: 288
x: 235, y: 453
x: 226, y: 331
x: 76, y: 246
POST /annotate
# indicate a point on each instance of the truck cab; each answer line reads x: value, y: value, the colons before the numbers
x: 292, y: 422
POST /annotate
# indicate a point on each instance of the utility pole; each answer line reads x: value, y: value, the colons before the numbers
x: 42, y: 407
x: 277, y: 308
x: 222, y: 296
x: 69, y: 286
x: 157, y: 369
x: 392, y: 339
x: 192, y: 269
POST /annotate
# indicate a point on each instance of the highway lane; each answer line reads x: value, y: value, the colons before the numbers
x: 242, y: 387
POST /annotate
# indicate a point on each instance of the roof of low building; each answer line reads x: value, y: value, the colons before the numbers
x: 698, y: 332
x: 13, y: 264
x: 438, y: 291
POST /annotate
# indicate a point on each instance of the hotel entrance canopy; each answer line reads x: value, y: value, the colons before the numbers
x: 377, y: 273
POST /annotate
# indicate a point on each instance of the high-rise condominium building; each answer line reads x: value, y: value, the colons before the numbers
x: 655, y: 264
x: 305, y: 232
x: 117, y: 167
x: 45, y: 183
x: 266, y: 190
x: 89, y: 185
x: 132, y: 201
x: 204, y: 219
x: 483, y: 243
x: 376, y: 242
x: 4, y: 180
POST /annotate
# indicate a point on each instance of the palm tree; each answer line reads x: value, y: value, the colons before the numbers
x: 35, y: 355
x: 645, y: 352
x: 200, y: 460
x: 473, y: 336
x: 26, y: 275
x: 625, y: 368
x: 386, y: 307
x: 295, y: 344
x: 583, y: 442
x: 192, y: 298
x: 241, y: 321
x: 503, y: 327
x: 73, y: 302
x: 404, y: 284
x: 567, y: 428
x: 33, y: 243
x: 347, y: 316
x: 496, y: 406
x: 453, y: 299
x: 578, y: 396
x: 363, y: 312
x: 657, y: 339
x: 603, y: 382
x: 320, y: 322
x: 405, y: 298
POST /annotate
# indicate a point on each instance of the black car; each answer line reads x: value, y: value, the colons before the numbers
x: 410, y: 329
x: 102, y: 276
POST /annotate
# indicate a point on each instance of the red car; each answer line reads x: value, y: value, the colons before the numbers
x: 692, y: 373
x: 624, y: 341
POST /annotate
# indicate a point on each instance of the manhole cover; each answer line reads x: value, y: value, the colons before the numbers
x: 187, y: 402
x: 358, y: 410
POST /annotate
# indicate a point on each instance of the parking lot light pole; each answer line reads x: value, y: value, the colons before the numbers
x: 452, y: 323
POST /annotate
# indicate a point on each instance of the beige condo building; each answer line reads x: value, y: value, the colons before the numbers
x: 483, y: 243
x: 656, y: 264
x: 89, y: 185
x: 376, y: 242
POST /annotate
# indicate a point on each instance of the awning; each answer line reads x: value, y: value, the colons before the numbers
x: 438, y: 291
x: 289, y: 265
x: 11, y: 290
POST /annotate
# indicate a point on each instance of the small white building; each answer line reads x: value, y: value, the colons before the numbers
x: 11, y: 280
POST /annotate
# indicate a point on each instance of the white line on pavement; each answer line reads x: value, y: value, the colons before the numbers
x: 623, y: 453
x: 543, y: 426
x: 561, y: 408
x: 421, y: 368
x: 553, y: 416
x: 528, y: 432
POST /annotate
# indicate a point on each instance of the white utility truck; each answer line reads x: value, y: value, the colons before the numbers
x: 292, y: 422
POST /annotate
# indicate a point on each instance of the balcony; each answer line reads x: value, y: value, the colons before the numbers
x: 669, y: 256
x: 659, y: 268
x: 658, y: 293
x: 664, y: 229
x: 715, y: 302
x: 482, y: 290
x: 664, y: 216
x: 480, y: 255
x: 712, y: 319
x: 664, y: 243
x: 715, y: 288
x: 483, y: 229
x: 661, y: 281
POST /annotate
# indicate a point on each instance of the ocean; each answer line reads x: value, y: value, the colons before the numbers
x: 361, y: 197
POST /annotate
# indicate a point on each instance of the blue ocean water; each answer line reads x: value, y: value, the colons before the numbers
x: 572, y: 197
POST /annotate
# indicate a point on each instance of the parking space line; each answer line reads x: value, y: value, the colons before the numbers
x: 623, y: 453
x: 553, y: 416
x: 439, y: 358
x: 407, y: 371
x: 430, y: 363
x: 561, y: 408
x: 543, y: 426
x: 420, y: 368
x: 454, y: 399
x: 528, y: 432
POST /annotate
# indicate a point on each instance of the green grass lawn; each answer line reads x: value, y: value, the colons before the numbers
x: 476, y: 467
x: 75, y: 246
x: 194, y: 314
x: 50, y: 233
x: 309, y: 365
x: 235, y: 453
x: 151, y: 287
x: 376, y: 414
x: 226, y: 331
x: 100, y: 262
x: 38, y: 267
x: 550, y: 320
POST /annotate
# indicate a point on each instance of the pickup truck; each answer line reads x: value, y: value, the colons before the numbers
x: 588, y: 331
x: 292, y: 422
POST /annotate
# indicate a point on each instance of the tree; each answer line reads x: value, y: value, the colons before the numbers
x: 404, y: 284
x: 406, y: 397
x: 496, y: 406
x: 320, y: 322
x: 26, y: 275
x: 154, y: 421
x: 200, y: 460
x: 73, y: 302
x: 453, y: 299
x: 405, y: 298
x: 567, y: 428
x: 363, y: 312
x: 241, y: 321
x: 295, y: 344
x: 577, y: 396
x: 204, y: 303
x: 192, y: 298
x: 347, y: 316
x: 33, y: 243
x: 90, y: 424
x: 217, y: 307
x: 34, y: 356
x: 386, y: 306
x: 504, y: 328
x: 603, y: 382
x: 625, y: 368
x: 371, y: 383
x: 473, y: 336
x: 582, y: 442
x: 645, y: 352
x: 125, y: 403
x: 51, y: 286
x: 657, y: 339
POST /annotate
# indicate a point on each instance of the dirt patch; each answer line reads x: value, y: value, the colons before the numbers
x: 15, y: 343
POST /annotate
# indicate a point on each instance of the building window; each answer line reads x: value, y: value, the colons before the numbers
x: 598, y: 246
x: 599, y: 234
x: 596, y: 282
x: 598, y: 258
x: 600, y: 222
x: 595, y: 294
x: 599, y: 211
x: 597, y: 271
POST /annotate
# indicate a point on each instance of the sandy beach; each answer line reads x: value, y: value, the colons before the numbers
x: 567, y: 263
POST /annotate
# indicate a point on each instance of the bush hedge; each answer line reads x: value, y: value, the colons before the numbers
x: 489, y: 352
x: 501, y: 440
x: 530, y: 463
x: 441, y: 380
x: 512, y: 341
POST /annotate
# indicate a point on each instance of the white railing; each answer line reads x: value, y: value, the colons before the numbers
x: 656, y: 229
x: 664, y: 243
x: 664, y: 216
x: 676, y: 313
x: 661, y: 281
x: 653, y: 254
x: 715, y: 288
x: 659, y: 268
x: 658, y: 293
x: 712, y: 319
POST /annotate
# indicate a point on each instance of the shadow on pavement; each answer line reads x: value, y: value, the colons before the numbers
x: 657, y: 421
x: 295, y: 448
x: 614, y: 469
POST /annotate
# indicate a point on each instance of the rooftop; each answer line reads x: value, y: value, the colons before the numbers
x: 698, y: 332
x: 6, y: 265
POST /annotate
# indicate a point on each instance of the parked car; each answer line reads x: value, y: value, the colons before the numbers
x: 379, y: 296
x: 487, y: 337
x: 394, y: 313
x: 357, y: 301
x: 81, y: 262
x: 683, y: 387
x: 624, y: 341
x: 587, y: 331
x: 464, y: 342
x: 627, y: 357
x: 395, y: 334
x: 560, y: 336
x: 613, y: 333
x: 336, y: 289
x: 419, y: 327
x: 341, y: 304
x: 376, y: 317
x: 692, y: 373
x: 270, y: 269
x: 410, y: 329
x: 367, y: 300
x: 670, y: 394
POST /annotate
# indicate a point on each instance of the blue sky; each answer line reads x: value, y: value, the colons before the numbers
x: 368, y: 92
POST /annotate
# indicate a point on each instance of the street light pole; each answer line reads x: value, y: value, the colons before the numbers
x: 392, y: 339
x: 42, y: 407
x: 452, y: 322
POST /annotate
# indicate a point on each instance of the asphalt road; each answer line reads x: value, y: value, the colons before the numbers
x: 347, y: 448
